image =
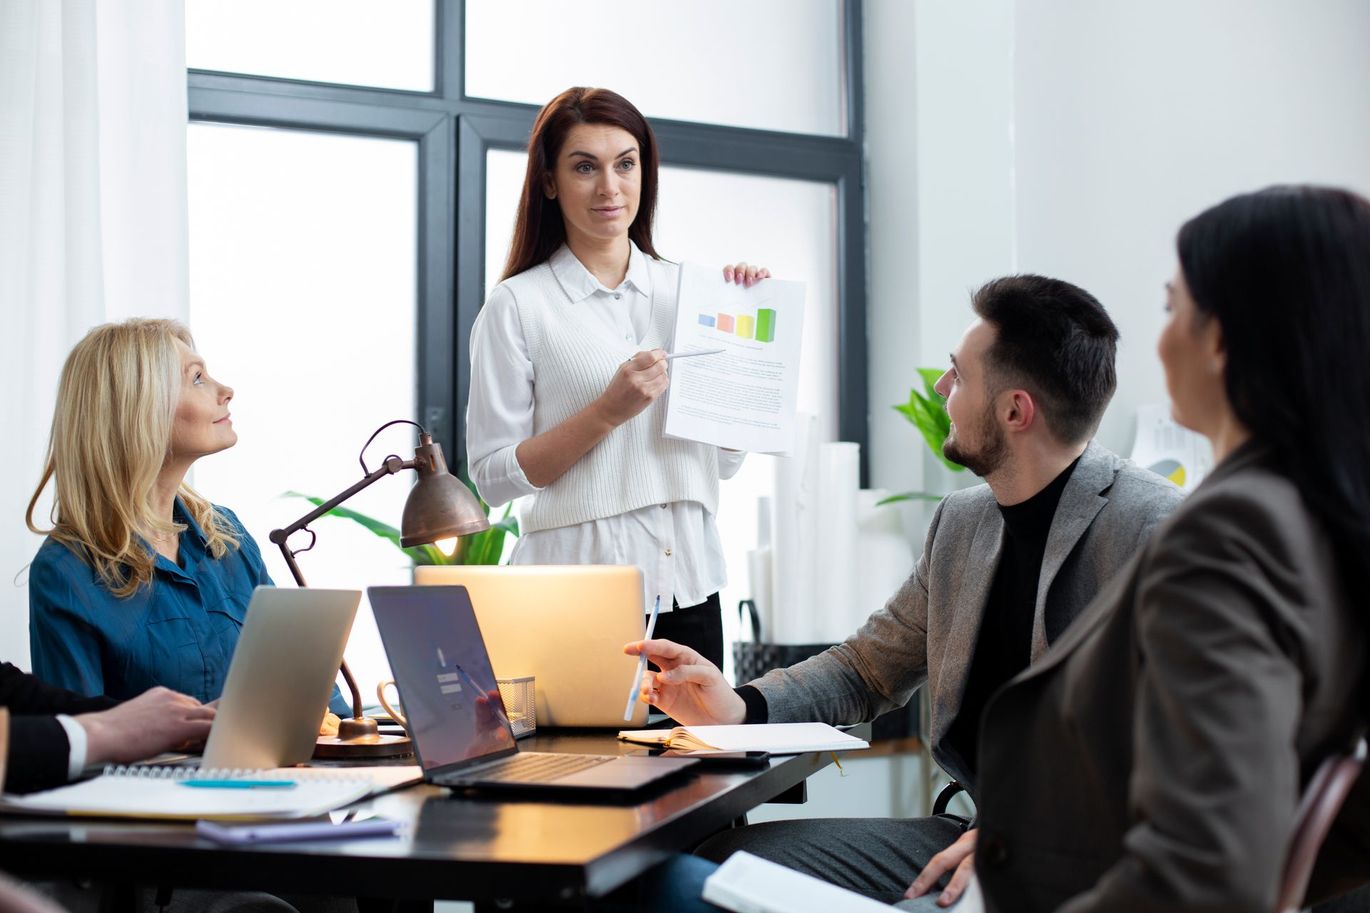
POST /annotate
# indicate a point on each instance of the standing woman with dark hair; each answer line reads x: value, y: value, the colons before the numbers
x: 568, y: 367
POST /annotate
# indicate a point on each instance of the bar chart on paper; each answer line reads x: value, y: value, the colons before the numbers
x: 759, y: 326
x: 743, y: 397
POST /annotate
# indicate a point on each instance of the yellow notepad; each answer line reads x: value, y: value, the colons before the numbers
x: 776, y: 738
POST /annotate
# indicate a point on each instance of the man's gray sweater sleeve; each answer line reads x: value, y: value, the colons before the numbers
x: 875, y: 670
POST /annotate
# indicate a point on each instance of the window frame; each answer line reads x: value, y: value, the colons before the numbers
x: 454, y: 132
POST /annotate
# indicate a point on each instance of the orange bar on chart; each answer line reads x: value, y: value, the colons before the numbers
x: 725, y: 323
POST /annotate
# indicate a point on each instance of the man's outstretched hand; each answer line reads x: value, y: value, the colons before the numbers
x: 689, y: 688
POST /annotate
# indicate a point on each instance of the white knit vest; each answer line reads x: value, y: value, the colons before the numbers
x: 574, y: 359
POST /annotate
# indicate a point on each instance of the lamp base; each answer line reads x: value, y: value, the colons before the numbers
x: 360, y: 739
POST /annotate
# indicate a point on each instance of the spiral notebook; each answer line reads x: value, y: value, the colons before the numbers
x: 161, y: 792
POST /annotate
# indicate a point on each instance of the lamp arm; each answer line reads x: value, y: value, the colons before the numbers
x: 391, y: 466
x: 281, y: 536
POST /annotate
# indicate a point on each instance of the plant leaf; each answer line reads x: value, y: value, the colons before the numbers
x: 930, y: 378
x: 927, y: 412
x: 909, y: 496
x: 384, y: 530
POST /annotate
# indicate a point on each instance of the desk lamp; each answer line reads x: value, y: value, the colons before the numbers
x: 439, y: 510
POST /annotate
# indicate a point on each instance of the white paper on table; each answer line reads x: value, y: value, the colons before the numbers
x: 1170, y: 450
x: 744, y: 397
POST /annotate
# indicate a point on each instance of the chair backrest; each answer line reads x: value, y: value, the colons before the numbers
x: 1317, y: 810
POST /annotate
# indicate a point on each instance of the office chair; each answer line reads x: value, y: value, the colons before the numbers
x: 1318, y: 808
x: 945, y: 795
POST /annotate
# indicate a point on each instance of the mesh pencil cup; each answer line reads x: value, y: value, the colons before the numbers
x: 520, y: 702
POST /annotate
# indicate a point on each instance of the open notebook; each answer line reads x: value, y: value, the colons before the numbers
x: 776, y: 738
x: 161, y: 792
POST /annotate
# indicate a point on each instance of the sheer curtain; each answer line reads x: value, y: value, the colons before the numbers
x: 92, y: 217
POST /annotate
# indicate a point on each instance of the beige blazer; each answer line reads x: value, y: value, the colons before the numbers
x: 928, y: 629
x: 1153, y: 759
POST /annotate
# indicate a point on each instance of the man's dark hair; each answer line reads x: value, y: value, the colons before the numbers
x: 1056, y: 342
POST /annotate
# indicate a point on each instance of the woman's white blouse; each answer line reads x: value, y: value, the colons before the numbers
x: 676, y: 545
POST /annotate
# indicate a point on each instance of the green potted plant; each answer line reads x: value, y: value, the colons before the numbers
x: 485, y: 547
x: 927, y: 411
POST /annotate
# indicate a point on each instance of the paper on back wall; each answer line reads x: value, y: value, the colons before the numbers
x: 743, y: 397
x: 1170, y: 450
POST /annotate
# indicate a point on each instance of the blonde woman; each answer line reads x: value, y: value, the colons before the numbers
x: 141, y: 581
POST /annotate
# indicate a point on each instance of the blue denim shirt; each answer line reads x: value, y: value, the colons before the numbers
x: 179, y: 632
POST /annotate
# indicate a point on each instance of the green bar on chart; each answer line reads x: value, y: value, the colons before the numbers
x: 765, y: 325
x: 745, y: 324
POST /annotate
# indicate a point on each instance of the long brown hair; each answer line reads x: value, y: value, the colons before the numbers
x: 539, y: 229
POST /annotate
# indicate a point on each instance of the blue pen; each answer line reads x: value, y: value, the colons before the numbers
x: 642, y: 661
x: 239, y: 784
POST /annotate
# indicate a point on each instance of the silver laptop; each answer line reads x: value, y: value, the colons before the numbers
x: 583, y: 614
x: 456, y: 718
x: 280, y: 678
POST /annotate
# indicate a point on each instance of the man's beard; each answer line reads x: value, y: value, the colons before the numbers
x: 992, y: 453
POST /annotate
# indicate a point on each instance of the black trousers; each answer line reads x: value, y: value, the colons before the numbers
x: 699, y: 627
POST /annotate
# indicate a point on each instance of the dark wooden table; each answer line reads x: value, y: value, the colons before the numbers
x: 455, y: 847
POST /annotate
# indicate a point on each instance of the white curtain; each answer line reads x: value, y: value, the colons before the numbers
x: 92, y: 217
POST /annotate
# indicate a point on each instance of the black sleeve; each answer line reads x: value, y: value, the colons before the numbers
x: 26, y: 694
x: 757, y: 711
x: 38, y: 754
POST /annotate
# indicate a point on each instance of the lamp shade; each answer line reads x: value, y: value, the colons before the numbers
x: 439, y: 505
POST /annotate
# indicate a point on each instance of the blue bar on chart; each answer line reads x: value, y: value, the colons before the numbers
x: 706, y: 320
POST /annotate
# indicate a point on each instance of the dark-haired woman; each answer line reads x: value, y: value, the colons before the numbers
x: 568, y: 367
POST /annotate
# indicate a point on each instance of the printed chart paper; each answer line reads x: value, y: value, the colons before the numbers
x: 1167, y: 449
x: 744, y: 397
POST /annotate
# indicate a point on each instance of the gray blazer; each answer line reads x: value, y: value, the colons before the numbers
x: 928, y: 629
x: 1152, y: 761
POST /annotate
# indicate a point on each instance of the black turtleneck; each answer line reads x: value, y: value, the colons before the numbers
x: 1004, y: 645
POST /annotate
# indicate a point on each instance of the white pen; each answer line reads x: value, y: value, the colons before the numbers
x: 642, y: 661
x: 693, y: 354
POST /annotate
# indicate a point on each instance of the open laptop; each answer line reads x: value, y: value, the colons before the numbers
x: 280, y: 678
x: 456, y: 718
x: 583, y: 615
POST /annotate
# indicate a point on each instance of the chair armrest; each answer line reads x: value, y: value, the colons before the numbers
x: 945, y: 795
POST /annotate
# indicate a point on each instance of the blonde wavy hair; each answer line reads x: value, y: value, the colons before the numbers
x: 111, y: 435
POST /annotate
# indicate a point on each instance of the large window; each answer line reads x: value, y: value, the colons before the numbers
x: 355, y: 42
x: 302, y: 298
x: 763, y: 64
x: 352, y: 194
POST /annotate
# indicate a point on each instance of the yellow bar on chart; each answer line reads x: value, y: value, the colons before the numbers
x: 746, y: 324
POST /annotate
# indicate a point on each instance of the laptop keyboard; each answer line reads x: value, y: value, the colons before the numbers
x: 537, y: 767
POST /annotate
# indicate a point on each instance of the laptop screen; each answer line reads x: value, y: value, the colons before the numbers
x: 443, y: 673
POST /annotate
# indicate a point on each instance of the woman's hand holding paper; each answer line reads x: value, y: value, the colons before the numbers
x: 745, y: 274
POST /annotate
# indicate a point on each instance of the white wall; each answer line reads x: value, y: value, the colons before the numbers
x: 1071, y: 138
